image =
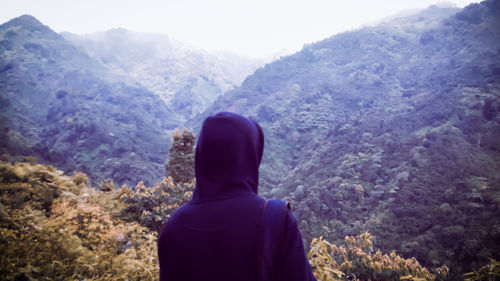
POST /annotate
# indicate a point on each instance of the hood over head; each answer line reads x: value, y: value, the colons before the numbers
x: 227, y: 157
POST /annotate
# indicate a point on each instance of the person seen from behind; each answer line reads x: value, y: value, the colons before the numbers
x: 226, y: 231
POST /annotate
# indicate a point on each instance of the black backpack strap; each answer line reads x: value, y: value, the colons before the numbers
x: 271, y: 230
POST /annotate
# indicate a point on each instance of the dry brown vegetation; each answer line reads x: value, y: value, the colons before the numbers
x: 57, y: 227
x: 357, y: 260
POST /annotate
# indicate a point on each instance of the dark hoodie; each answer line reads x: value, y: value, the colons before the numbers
x: 215, y: 235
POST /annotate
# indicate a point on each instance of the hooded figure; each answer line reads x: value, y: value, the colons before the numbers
x: 215, y: 236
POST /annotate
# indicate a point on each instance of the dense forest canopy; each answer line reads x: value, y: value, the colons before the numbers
x: 392, y: 129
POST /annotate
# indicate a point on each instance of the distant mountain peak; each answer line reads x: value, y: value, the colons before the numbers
x: 117, y: 32
x: 25, y: 21
x: 30, y: 24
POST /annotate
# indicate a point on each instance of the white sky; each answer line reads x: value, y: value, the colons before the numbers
x: 256, y: 28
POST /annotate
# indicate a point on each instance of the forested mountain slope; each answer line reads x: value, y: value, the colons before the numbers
x: 103, y: 103
x: 70, y: 110
x: 393, y: 129
x: 187, y: 79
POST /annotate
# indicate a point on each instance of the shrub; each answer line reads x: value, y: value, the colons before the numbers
x: 81, y: 238
x: 357, y: 260
x: 151, y: 207
x: 80, y: 178
x: 489, y: 272
x: 22, y: 182
x: 107, y: 185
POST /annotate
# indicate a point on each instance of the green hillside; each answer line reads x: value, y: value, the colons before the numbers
x: 391, y: 129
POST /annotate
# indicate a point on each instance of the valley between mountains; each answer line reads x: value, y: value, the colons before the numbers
x: 392, y: 128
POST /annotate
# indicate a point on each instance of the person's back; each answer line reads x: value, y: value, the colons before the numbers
x: 216, y: 235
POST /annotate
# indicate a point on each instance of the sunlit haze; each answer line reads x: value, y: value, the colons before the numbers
x: 257, y: 28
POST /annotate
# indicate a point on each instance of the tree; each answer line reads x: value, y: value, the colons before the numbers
x: 180, y: 164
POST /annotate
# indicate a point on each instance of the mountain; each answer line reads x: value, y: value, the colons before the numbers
x: 392, y: 129
x: 188, y: 80
x: 70, y: 110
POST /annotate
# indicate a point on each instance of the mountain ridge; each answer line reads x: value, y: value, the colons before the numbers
x: 28, y: 22
x: 65, y: 108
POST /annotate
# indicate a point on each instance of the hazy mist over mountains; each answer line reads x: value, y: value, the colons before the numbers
x: 393, y: 128
x: 187, y: 79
